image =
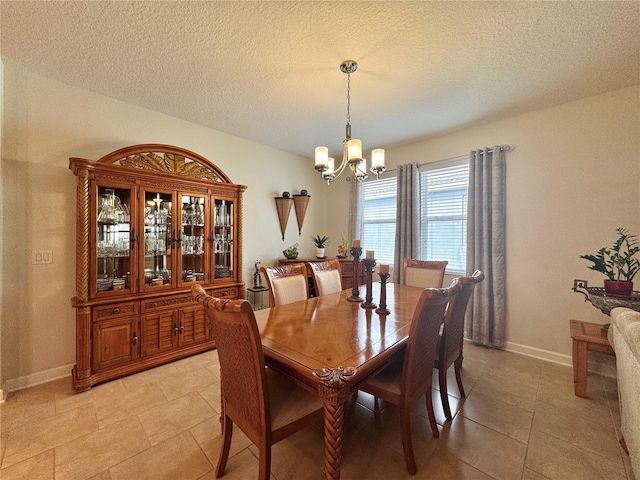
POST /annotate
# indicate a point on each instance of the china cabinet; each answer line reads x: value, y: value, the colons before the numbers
x: 152, y: 221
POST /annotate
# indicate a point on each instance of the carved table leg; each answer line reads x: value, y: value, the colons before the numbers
x: 334, y: 391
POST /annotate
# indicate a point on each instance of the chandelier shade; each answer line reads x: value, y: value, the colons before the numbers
x: 351, y: 147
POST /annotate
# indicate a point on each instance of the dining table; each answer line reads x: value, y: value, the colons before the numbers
x: 330, y: 345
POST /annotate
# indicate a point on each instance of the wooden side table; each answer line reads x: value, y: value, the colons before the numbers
x: 586, y: 337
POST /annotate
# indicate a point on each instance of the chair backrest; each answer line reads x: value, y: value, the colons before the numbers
x: 242, y: 365
x: 327, y: 276
x: 424, y: 273
x: 287, y: 283
x: 453, y: 330
x: 422, y: 346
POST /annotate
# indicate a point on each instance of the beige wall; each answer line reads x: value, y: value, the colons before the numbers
x: 45, y: 123
x: 572, y: 179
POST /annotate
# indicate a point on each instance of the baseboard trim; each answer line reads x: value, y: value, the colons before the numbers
x: 539, y: 353
x: 37, y: 378
x: 600, y: 364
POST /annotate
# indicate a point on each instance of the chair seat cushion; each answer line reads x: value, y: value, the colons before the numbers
x: 287, y: 401
x: 387, y: 382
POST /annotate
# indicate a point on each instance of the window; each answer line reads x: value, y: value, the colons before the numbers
x: 443, y: 214
x: 379, y: 218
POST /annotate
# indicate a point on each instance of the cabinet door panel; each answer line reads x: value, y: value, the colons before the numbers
x: 158, y: 241
x: 194, y: 225
x: 193, y: 326
x: 159, y: 333
x: 112, y: 268
x: 115, y: 342
x: 223, y: 238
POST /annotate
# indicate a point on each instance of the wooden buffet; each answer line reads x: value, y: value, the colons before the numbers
x: 152, y: 221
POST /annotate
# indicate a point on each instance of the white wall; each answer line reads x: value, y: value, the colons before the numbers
x: 45, y: 123
x: 572, y: 179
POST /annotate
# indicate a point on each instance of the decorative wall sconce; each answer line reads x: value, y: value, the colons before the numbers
x: 300, y: 203
x: 283, y: 205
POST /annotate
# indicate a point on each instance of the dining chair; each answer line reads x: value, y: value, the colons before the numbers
x: 264, y: 404
x: 327, y: 276
x: 409, y: 378
x: 451, y: 338
x: 287, y: 283
x: 424, y: 273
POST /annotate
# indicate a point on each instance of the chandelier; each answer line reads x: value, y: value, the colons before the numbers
x: 351, y: 147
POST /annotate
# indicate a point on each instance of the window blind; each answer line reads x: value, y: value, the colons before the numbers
x: 379, y: 218
x: 443, y: 210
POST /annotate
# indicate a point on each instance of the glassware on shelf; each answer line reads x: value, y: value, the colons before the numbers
x: 111, y: 208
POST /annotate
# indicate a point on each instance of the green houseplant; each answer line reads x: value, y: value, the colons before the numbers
x: 320, y: 241
x: 618, y: 262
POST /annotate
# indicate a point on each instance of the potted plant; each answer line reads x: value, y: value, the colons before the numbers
x: 343, y: 247
x: 291, y: 252
x: 618, y: 262
x: 320, y: 242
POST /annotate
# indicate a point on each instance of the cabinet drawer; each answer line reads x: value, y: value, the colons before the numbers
x: 114, y: 310
x: 347, y: 268
x: 228, y: 292
x: 172, y: 301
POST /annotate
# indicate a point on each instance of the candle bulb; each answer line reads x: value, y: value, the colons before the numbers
x: 384, y: 269
x: 370, y: 254
x: 355, y: 243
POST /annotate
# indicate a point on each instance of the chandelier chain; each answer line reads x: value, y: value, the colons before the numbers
x: 348, y: 97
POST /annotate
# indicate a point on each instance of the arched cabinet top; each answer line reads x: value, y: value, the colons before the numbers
x: 168, y: 159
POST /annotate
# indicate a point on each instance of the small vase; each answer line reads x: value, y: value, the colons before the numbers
x: 618, y: 288
x: 320, y: 253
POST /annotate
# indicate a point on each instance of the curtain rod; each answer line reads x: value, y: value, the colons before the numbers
x: 503, y: 148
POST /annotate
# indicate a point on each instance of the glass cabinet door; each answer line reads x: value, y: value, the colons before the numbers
x: 223, y: 239
x: 192, y: 245
x: 157, y: 243
x: 113, y: 240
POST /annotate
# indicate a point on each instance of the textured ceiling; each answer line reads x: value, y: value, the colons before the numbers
x: 268, y: 71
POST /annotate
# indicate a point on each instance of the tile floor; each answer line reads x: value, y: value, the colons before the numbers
x: 520, y: 420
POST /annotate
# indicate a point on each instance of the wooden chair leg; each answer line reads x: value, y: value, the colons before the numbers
x: 444, y: 397
x: 407, y: 445
x: 431, y: 414
x: 457, y: 365
x: 227, y: 432
x: 264, y: 470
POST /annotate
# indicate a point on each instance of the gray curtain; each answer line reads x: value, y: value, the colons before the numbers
x: 485, y: 320
x: 407, y: 243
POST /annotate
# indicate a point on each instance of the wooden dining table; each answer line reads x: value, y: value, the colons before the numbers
x: 330, y: 345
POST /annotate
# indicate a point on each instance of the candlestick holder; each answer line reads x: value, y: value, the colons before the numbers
x: 382, y: 309
x: 355, y: 291
x: 369, y: 263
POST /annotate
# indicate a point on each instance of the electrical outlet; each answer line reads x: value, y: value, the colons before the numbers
x: 42, y: 256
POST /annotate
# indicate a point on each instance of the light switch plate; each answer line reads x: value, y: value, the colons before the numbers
x: 42, y: 256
